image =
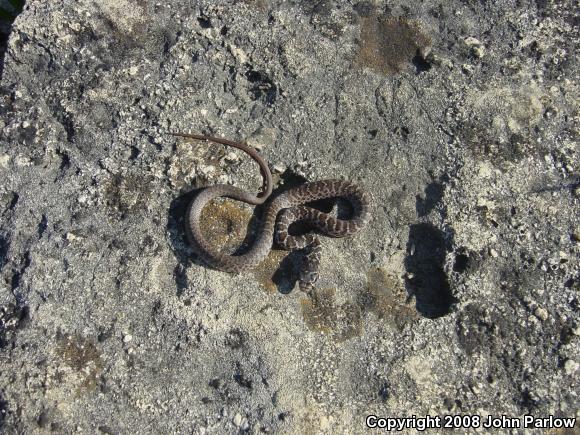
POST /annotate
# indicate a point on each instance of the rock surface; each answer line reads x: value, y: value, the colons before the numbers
x: 461, y: 296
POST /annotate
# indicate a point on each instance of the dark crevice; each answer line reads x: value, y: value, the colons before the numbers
x: 64, y: 160
x: 8, y: 13
x: 241, y: 379
x: 427, y: 279
x: 3, y: 411
x: 43, y: 224
x: 4, y: 246
x: 68, y: 125
x: 17, y: 276
x: 204, y: 22
x: 420, y: 63
x: 462, y: 262
x: 261, y: 87
x: 14, y: 201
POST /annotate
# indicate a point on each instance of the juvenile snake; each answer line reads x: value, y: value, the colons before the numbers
x: 288, y: 208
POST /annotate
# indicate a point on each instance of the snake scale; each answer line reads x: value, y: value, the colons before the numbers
x: 280, y: 213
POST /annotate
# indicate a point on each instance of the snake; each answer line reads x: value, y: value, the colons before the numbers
x: 280, y: 212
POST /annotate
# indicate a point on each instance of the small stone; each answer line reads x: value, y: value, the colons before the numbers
x: 478, y: 52
x: 239, y: 54
x: 570, y: 366
x: 207, y: 171
x: 71, y: 237
x: 278, y: 168
x: 471, y: 41
x: 485, y: 170
x: 231, y: 157
x: 127, y: 338
x: 238, y: 419
x: 23, y: 160
x: 325, y: 422
x: 577, y: 192
x: 476, y: 46
x: 467, y: 69
x: 4, y: 159
x: 493, y: 253
x: 541, y: 313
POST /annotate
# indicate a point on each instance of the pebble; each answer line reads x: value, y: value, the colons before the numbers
x: 476, y: 46
x: 231, y: 157
x: 279, y: 168
x: 238, y: 419
x: 541, y: 313
x: 21, y: 160
x: 4, y: 159
x: 577, y: 191
x: 127, y: 338
x: 493, y: 253
x: 570, y: 366
x: 71, y: 237
x: 467, y: 69
x: 472, y: 42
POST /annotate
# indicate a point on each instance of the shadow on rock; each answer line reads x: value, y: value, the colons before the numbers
x: 9, y: 10
x: 424, y: 264
x: 178, y: 239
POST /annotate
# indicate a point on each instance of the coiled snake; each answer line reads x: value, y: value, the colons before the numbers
x: 288, y: 207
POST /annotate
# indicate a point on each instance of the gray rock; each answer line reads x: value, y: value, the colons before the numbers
x: 460, y: 118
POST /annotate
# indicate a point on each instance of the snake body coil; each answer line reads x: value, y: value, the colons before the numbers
x: 287, y: 208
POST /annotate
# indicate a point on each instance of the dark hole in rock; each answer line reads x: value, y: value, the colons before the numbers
x: 42, y: 225
x: 204, y: 22
x: 3, y: 411
x: 427, y: 279
x: 134, y: 153
x: 461, y: 263
x: 262, y: 86
x: 242, y: 380
x: 421, y: 63
x: 384, y: 392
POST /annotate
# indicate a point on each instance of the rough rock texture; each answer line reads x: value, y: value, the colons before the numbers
x: 461, y: 296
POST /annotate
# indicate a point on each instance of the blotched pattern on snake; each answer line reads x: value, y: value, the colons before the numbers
x: 280, y: 213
